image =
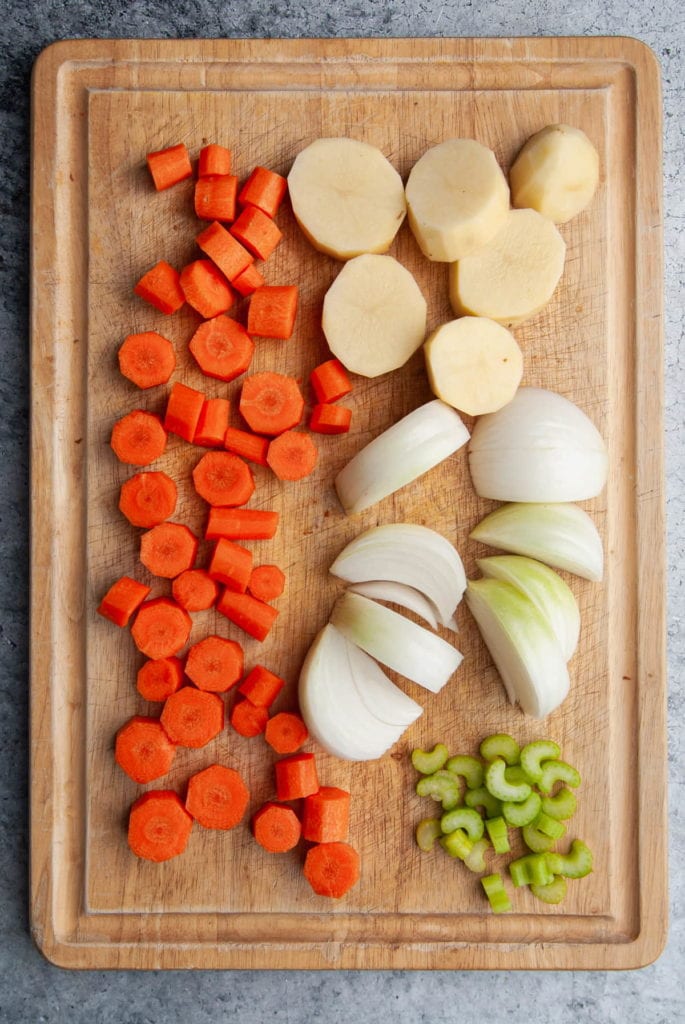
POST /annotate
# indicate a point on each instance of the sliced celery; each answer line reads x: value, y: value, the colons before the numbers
x: 557, y: 771
x: 520, y: 814
x: 499, y: 834
x: 475, y: 860
x: 469, y: 768
x: 549, y: 826
x: 429, y: 761
x: 427, y: 831
x: 457, y: 844
x: 536, y: 841
x: 463, y: 818
x: 560, y: 806
x: 533, y: 869
x: 497, y: 784
x: 554, y: 892
x: 496, y: 893
x: 441, y: 786
x: 500, y: 745
x: 575, y: 864
x: 515, y: 773
x: 482, y: 797
x: 533, y: 753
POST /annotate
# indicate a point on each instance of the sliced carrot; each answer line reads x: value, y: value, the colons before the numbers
x: 231, y: 565
x: 161, y: 287
x: 183, y: 410
x: 147, y: 359
x: 330, y: 419
x: 272, y: 311
x: 157, y: 679
x: 266, y: 582
x: 215, y: 664
x: 222, y: 348
x: 213, y: 423
x: 326, y: 815
x: 217, y: 797
x: 332, y: 869
x: 261, y: 687
x: 241, y: 524
x: 276, y: 828
x: 329, y: 381
x: 247, y: 719
x: 206, y: 289
x: 286, y: 733
x: 215, y: 197
x: 147, y: 499
x: 194, y: 590
x: 222, y: 478
x: 192, y: 718
x: 169, y: 166
x: 264, y: 189
x: 248, y: 281
x: 229, y: 255
x: 138, y: 438
x: 292, y: 455
x: 158, y: 826
x: 255, y: 617
x: 168, y: 550
x: 296, y: 777
x: 214, y: 160
x: 250, y: 446
x: 161, y: 628
x: 143, y: 750
x: 271, y: 402
x: 257, y: 232
x: 122, y: 599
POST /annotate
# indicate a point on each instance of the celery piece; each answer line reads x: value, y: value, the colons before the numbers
x: 463, y: 818
x: 533, y: 753
x: 475, y: 860
x: 520, y: 814
x: 536, y: 841
x: 441, y: 786
x: 575, y: 864
x: 557, y: 771
x: 533, y: 869
x: 469, y: 767
x: 429, y: 761
x: 481, y: 797
x: 457, y: 844
x: 520, y: 872
x: 499, y: 834
x: 500, y: 745
x: 553, y: 892
x: 497, y: 784
x: 515, y: 773
x: 560, y: 806
x: 549, y: 826
x: 427, y: 831
x: 496, y: 893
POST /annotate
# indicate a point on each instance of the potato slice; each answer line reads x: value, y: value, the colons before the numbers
x: 347, y: 197
x: 514, y: 276
x: 457, y: 197
x: 374, y: 315
x: 474, y: 364
x: 556, y: 173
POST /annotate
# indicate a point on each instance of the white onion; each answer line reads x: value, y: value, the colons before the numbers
x: 398, y: 593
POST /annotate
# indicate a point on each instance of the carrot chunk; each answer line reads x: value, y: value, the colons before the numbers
x: 161, y: 628
x: 332, y: 869
x: 296, y: 777
x: 206, y: 289
x: 326, y: 815
x: 169, y: 166
x: 214, y: 160
x: 272, y: 311
x: 266, y: 582
x: 241, y: 524
x: 138, y: 438
x: 194, y: 590
x: 157, y: 679
x: 231, y: 565
x: 261, y: 687
x: 215, y: 664
x: 223, y: 479
x: 158, y: 826
x: 192, y: 718
x: 229, y: 255
x: 257, y: 232
x: 147, y: 359
x: 147, y: 499
x: 253, y: 616
x: 264, y: 189
x: 122, y: 599
x: 276, y: 828
x: 168, y: 549
x: 143, y: 750
x: 292, y: 455
x: 250, y: 446
x: 183, y: 410
x: 161, y: 287
x: 330, y: 419
x: 286, y: 733
x: 329, y: 381
x: 217, y: 797
x: 247, y: 719
x: 222, y: 348
x: 271, y: 402
x: 213, y: 423
x: 215, y: 197
x: 248, y: 281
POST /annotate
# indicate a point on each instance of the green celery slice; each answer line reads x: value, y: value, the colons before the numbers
x: 468, y: 767
x: 497, y: 784
x: 496, y: 893
x: 515, y: 773
x: 427, y: 831
x: 463, y: 818
x: 441, y: 786
x: 557, y: 771
x: 560, y: 806
x: 577, y: 863
x: 502, y: 745
x: 553, y: 892
x: 532, y: 869
x: 475, y: 860
x: 536, y: 841
x: 520, y: 814
x: 549, y: 826
x: 457, y: 844
x: 533, y: 753
x: 482, y: 797
x: 499, y: 834
x: 429, y: 761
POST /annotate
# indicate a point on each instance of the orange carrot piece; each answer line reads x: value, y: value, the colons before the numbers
x: 241, y: 524
x: 161, y: 628
x: 183, y: 410
x: 296, y: 777
x: 329, y: 381
x: 168, y: 550
x: 253, y: 616
x: 222, y: 348
x: 271, y: 402
x: 332, y: 869
x: 215, y: 197
x: 248, y: 281
x: 231, y: 565
x: 257, y: 232
x: 214, y: 160
x: 247, y: 719
x: 147, y: 499
x: 264, y: 189
x: 286, y: 733
x: 261, y: 687
x: 326, y: 815
x: 215, y: 664
x: 192, y: 718
x: 217, y: 797
x: 194, y: 590
x: 272, y: 311
x: 292, y: 455
x: 223, y: 479
x: 161, y: 287
x: 229, y: 255
x: 249, y: 446
x: 266, y: 582
x: 213, y: 423
x: 206, y: 289
x: 138, y: 438
x: 158, y: 679
x: 147, y: 359
x: 330, y: 419
x: 169, y: 166
x: 276, y: 828
x: 143, y: 750
x: 122, y: 599
x: 158, y: 826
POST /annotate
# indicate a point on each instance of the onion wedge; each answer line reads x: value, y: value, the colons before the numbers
x: 398, y: 593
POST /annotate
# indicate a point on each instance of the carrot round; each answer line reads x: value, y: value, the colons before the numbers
x: 276, y: 828
x: 226, y: 251
x: 222, y: 478
x: 266, y: 582
x: 158, y: 679
x: 192, y: 718
x: 183, y: 410
x: 249, y: 446
x: 122, y: 599
x: 222, y: 348
x: 247, y: 719
x: 255, y: 617
x: 138, y: 438
x: 148, y: 498
x: 147, y: 359
x: 213, y: 423
x: 264, y: 189
x: 330, y: 419
x: 217, y: 797
x: 168, y: 549
x: 271, y: 402
x: 143, y: 750
x: 241, y: 524
x: 169, y: 166
x: 215, y: 664
x: 272, y: 311
x: 158, y: 826
x: 248, y: 281
x: 161, y: 287
x: 326, y: 816
x: 332, y: 869
x: 261, y: 687
x: 286, y: 732
x: 292, y: 455
x: 161, y: 628
x: 214, y: 160
x: 206, y: 289
x: 257, y: 232
x: 194, y: 590
x: 329, y: 381
x: 296, y: 777
x: 231, y: 564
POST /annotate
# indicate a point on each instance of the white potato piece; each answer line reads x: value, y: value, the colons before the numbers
x: 474, y: 364
x: 457, y: 197
x: 347, y: 197
x: 374, y: 315
x: 514, y: 276
x: 556, y: 173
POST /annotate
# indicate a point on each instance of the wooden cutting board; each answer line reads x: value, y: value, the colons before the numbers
x: 99, y: 107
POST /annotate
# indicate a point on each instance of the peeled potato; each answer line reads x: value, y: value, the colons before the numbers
x: 474, y: 364
x: 347, y: 197
x: 374, y: 315
x: 514, y: 276
x: 457, y: 197
x: 556, y: 173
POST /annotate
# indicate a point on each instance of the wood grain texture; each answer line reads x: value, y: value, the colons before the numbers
x: 97, y: 225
